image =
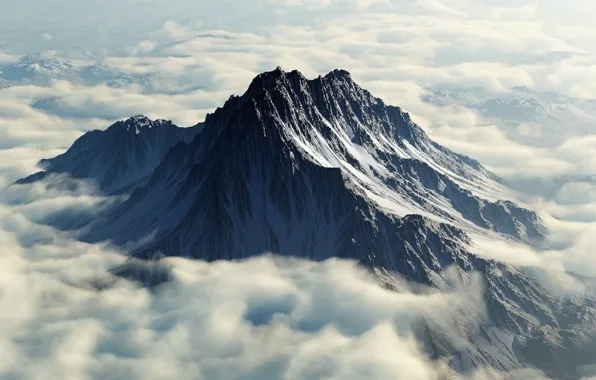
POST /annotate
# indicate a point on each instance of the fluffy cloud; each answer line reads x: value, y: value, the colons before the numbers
x: 359, y: 5
x: 6, y: 58
x: 570, y: 249
x: 262, y: 318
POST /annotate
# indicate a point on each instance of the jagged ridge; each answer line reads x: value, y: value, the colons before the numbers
x: 120, y: 158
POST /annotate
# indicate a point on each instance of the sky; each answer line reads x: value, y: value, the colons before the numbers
x: 203, y: 51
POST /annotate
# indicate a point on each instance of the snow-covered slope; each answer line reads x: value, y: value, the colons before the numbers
x: 119, y: 158
x: 44, y: 70
x: 35, y: 69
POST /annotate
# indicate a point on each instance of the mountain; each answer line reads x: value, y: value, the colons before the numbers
x: 307, y: 154
x: 120, y: 158
x: 564, y: 349
x: 42, y: 71
x: 321, y: 168
x: 524, y: 115
x: 37, y: 69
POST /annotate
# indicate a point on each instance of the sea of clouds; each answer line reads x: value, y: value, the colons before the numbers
x: 266, y: 318
x: 261, y: 318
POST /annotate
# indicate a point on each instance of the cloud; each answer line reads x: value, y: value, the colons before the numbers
x: 313, y: 4
x: 175, y: 30
x: 358, y: 5
x: 142, y: 47
x: 423, y: 47
x: 7, y: 58
x: 262, y: 318
x: 128, y: 332
x: 385, y: 51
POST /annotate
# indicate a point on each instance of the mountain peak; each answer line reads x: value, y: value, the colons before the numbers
x: 119, y: 158
x: 270, y: 79
x: 139, y: 118
x: 317, y: 169
x: 279, y: 72
x: 138, y: 123
x: 339, y: 74
x: 275, y: 74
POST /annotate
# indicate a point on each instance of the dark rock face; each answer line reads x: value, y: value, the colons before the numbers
x: 563, y: 350
x: 308, y: 156
x: 119, y: 158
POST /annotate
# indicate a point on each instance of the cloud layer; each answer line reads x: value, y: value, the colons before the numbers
x: 262, y: 318
x: 209, y: 322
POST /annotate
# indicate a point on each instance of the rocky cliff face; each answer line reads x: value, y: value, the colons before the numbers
x: 120, y: 158
x: 310, y: 155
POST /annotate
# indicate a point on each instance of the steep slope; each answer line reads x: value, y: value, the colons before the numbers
x: 563, y: 351
x: 119, y: 158
x: 306, y: 154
